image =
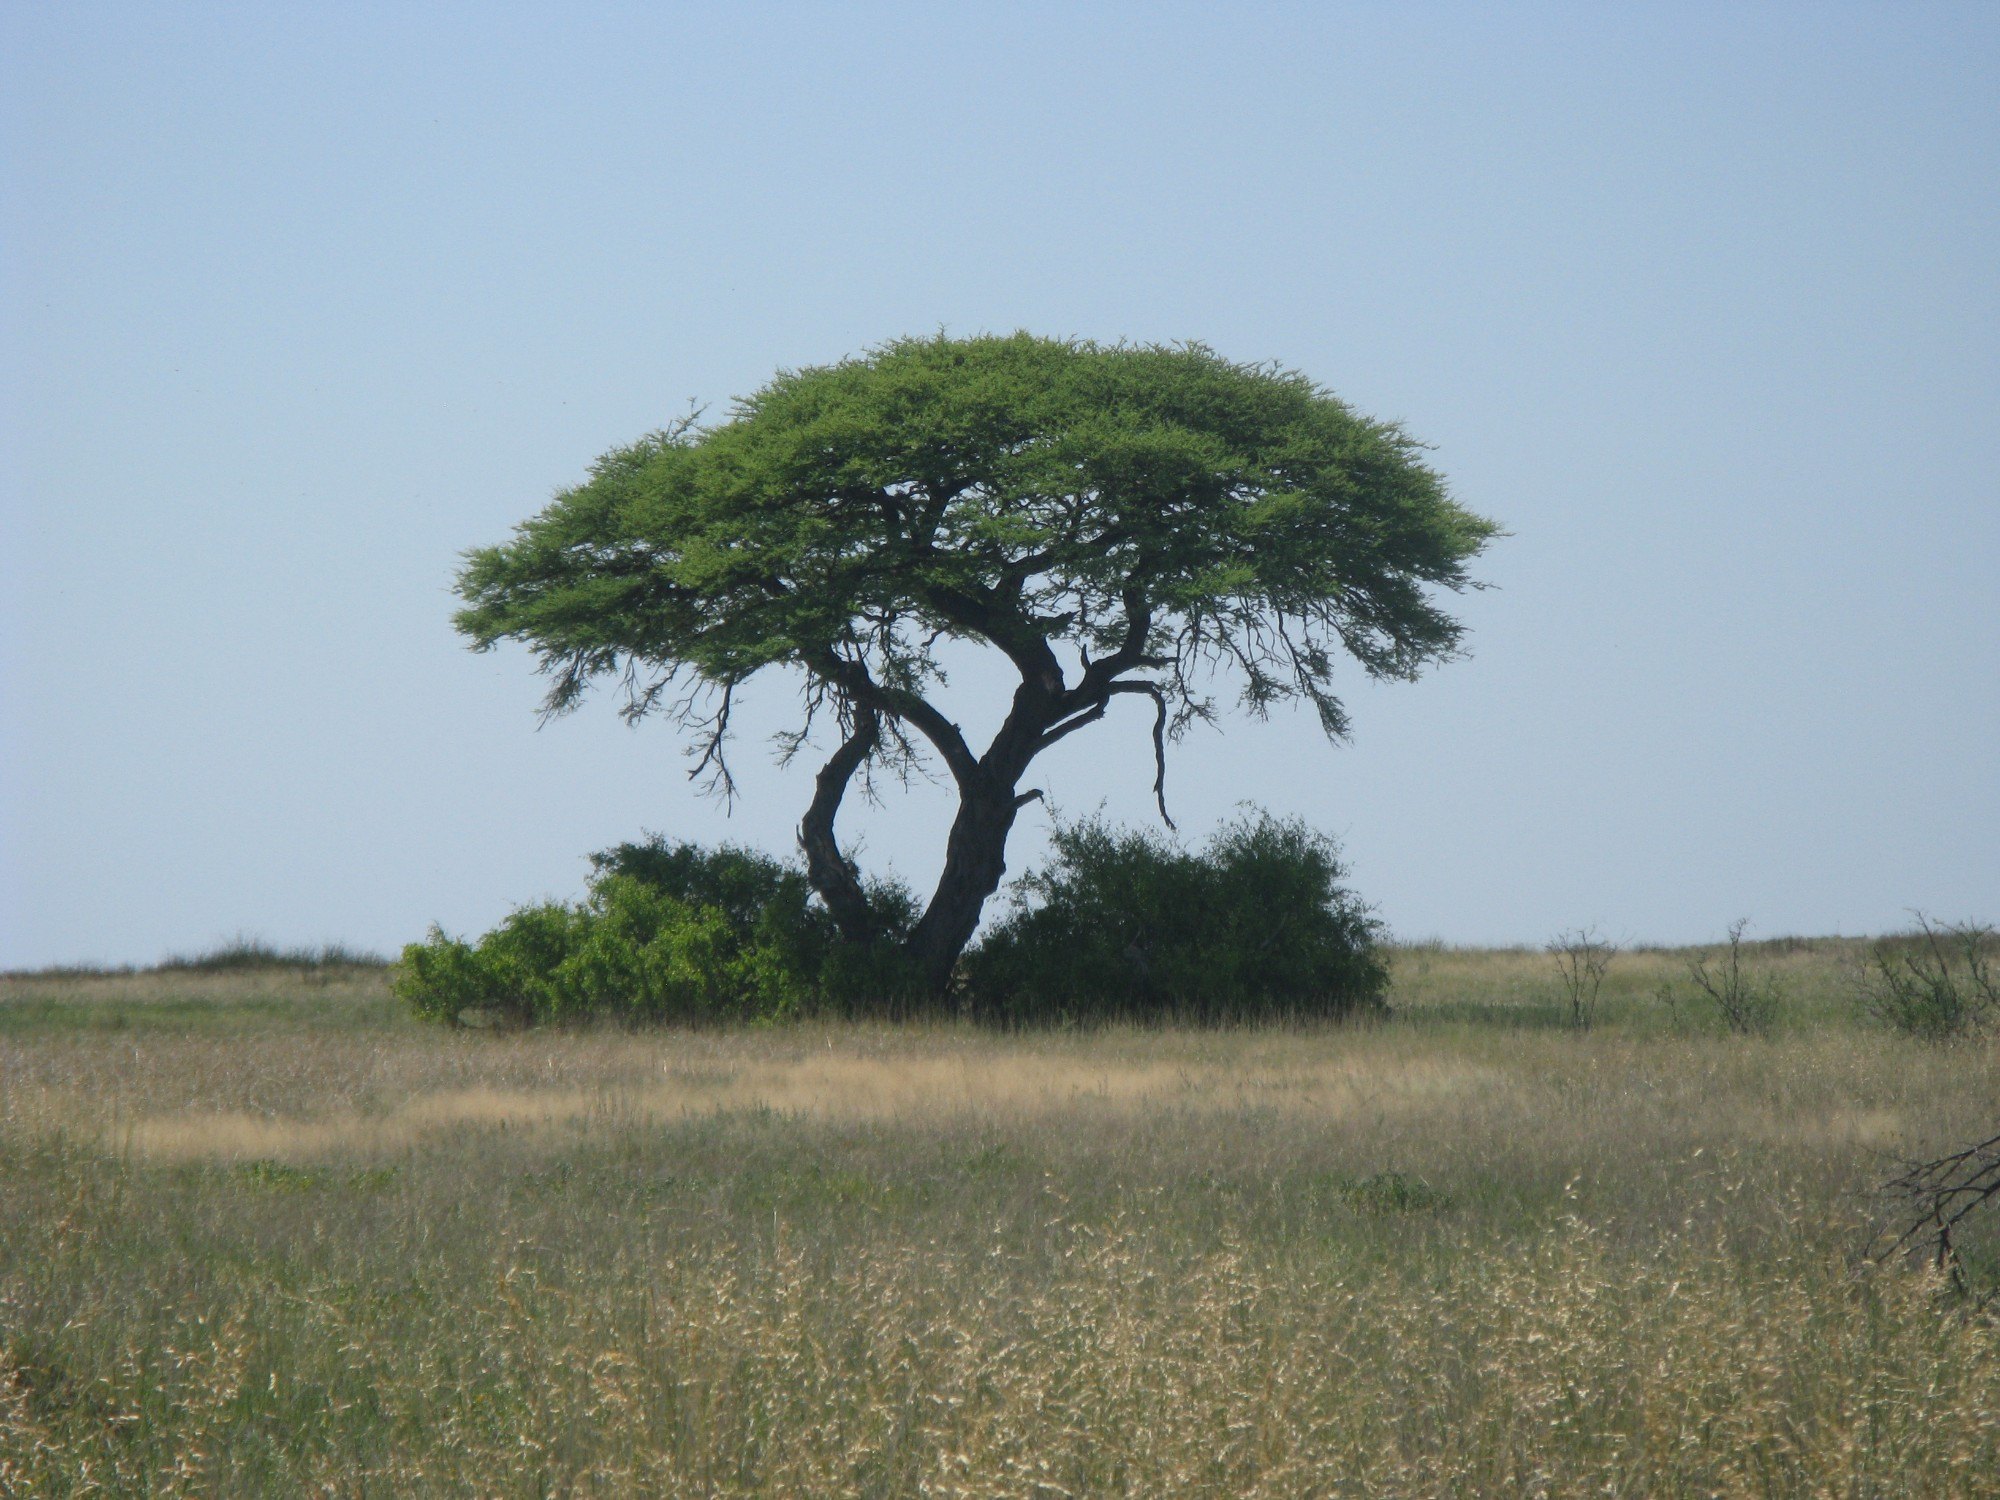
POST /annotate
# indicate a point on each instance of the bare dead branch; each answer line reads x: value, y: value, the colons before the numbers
x: 1938, y: 1196
x: 1152, y: 690
x: 1583, y: 957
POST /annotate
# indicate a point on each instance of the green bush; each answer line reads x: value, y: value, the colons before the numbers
x: 442, y: 977
x: 1120, y: 924
x: 1125, y: 924
x: 1936, y: 984
x: 668, y: 932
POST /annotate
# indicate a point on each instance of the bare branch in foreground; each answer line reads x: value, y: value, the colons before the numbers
x: 1940, y: 1195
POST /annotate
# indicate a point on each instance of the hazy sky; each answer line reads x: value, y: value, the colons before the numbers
x: 1701, y: 302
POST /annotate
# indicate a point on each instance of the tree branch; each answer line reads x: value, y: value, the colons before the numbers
x: 852, y: 678
x: 1151, y: 690
x: 1066, y: 727
x: 1943, y: 1192
x: 1095, y: 711
x: 1026, y: 647
x: 715, y: 730
x: 1131, y: 652
x: 831, y: 873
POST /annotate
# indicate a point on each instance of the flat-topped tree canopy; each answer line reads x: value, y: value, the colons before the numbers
x: 1142, y: 520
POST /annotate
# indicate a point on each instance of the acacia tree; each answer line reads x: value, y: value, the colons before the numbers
x: 1116, y: 521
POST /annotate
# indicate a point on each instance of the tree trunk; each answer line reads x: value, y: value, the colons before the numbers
x: 831, y: 874
x: 975, y: 856
x: 975, y: 860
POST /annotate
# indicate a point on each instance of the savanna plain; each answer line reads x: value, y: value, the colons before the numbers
x: 261, y: 1233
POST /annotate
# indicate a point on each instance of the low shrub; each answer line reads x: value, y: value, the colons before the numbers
x: 1582, y: 958
x: 1126, y: 924
x: 1747, y: 1001
x: 668, y: 932
x: 1936, y: 984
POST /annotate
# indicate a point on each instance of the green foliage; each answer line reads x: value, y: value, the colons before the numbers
x: 1935, y: 984
x: 1127, y: 924
x: 668, y: 932
x: 1009, y: 490
x: 442, y: 977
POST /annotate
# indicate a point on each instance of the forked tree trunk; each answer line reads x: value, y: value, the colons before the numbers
x: 975, y: 858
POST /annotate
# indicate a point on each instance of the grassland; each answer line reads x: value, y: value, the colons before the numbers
x: 262, y: 1235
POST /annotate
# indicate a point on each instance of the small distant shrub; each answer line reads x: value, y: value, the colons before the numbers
x: 1936, y: 984
x: 1125, y: 924
x: 668, y: 932
x: 1582, y: 960
x: 1747, y: 1002
x: 253, y: 953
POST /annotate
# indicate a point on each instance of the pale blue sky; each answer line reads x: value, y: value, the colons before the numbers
x: 1699, y: 301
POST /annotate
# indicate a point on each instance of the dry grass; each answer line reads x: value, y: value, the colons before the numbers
x: 264, y: 1236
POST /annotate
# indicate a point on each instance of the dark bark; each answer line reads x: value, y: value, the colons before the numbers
x: 975, y: 857
x: 830, y: 872
x: 1942, y: 1194
x: 975, y: 860
x: 1044, y: 711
